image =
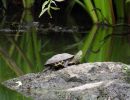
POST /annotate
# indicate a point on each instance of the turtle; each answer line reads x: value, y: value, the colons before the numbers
x: 63, y: 60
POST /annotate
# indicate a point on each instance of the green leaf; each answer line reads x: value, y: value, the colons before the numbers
x: 44, y: 4
x: 43, y: 11
x: 49, y: 12
x: 53, y: 2
x: 55, y: 8
x: 127, y: 1
x: 80, y: 3
x: 59, y: 0
x: 89, y: 7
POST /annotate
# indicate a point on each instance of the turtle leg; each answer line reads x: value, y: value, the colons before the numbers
x: 65, y: 63
x: 46, y: 69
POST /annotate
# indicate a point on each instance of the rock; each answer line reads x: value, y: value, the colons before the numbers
x: 88, y: 81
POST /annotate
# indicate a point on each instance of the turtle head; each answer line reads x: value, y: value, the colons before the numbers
x: 78, y: 56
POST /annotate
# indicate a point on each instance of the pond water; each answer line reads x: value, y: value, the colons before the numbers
x: 25, y: 47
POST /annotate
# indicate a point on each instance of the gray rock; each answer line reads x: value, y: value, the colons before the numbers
x: 88, y: 81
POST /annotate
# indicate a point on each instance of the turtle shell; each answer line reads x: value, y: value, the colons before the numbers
x: 59, y: 57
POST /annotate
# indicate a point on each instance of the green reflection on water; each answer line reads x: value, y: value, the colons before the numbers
x: 7, y: 94
x: 107, y: 44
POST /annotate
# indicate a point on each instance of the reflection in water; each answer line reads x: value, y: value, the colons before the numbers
x: 107, y: 44
x: 6, y: 94
x: 26, y: 51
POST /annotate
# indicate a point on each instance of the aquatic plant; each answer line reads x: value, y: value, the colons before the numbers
x: 48, y: 5
x: 106, y: 11
x: 101, y: 11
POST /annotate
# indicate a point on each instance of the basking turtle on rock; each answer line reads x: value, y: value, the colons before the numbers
x: 63, y: 60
